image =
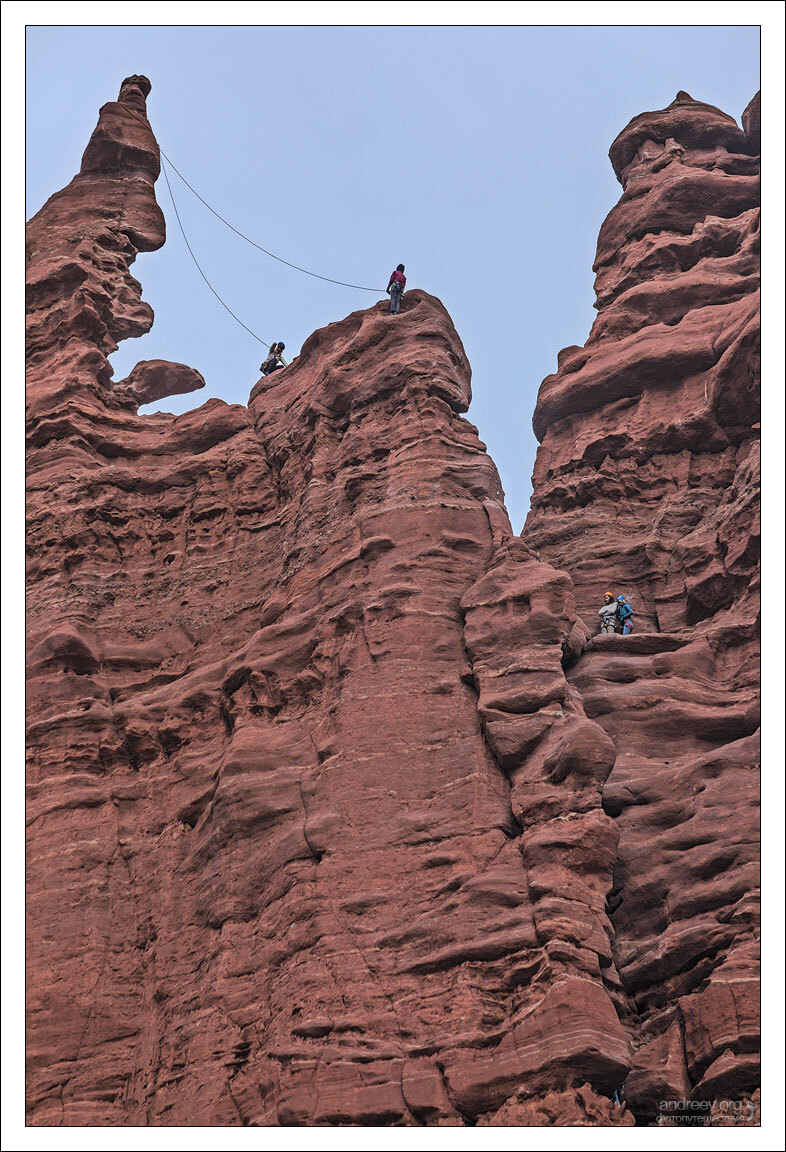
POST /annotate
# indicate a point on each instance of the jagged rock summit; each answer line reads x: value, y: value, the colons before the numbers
x: 333, y: 817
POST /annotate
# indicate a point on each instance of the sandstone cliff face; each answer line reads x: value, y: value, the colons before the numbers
x: 320, y: 830
x: 647, y: 479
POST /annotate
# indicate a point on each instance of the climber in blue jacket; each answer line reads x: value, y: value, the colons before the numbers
x: 624, y: 615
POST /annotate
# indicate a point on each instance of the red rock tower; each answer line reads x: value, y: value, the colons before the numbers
x: 647, y: 481
x: 337, y: 814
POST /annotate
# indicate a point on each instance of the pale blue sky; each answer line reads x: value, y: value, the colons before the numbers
x: 476, y: 156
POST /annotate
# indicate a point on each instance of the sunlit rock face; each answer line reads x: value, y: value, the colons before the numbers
x: 334, y: 817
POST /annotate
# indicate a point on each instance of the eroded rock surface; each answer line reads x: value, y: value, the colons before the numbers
x: 285, y: 661
x: 647, y: 480
x: 320, y: 831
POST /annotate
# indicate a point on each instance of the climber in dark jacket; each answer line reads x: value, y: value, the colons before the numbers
x: 396, y: 285
x: 274, y: 360
x: 624, y: 615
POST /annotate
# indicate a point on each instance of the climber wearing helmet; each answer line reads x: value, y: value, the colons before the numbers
x: 624, y: 615
x: 608, y: 613
x: 396, y: 285
x: 274, y: 359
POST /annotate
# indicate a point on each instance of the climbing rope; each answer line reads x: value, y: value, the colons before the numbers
x: 272, y: 255
x: 199, y: 266
x: 281, y: 260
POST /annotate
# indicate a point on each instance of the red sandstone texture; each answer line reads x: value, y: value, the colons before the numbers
x: 647, y: 479
x: 337, y: 814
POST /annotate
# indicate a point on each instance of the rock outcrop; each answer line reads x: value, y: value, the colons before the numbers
x: 332, y: 813
x: 647, y: 480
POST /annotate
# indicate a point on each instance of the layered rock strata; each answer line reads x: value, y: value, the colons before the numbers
x: 647, y: 481
x: 334, y: 811
x: 285, y: 661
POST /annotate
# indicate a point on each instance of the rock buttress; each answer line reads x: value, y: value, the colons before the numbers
x: 315, y: 831
x: 647, y: 481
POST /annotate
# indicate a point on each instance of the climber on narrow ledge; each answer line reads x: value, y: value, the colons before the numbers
x: 396, y: 285
x: 274, y: 360
x: 608, y: 614
x: 624, y: 615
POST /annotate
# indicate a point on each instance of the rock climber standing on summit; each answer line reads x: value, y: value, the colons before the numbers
x: 396, y: 285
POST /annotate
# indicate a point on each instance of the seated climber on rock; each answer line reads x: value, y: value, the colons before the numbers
x: 608, y: 614
x: 396, y: 285
x: 624, y: 615
x: 274, y: 360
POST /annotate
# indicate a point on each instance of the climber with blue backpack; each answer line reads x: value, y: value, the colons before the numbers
x: 624, y: 615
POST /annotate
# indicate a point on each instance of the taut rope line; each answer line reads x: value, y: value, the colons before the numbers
x: 272, y: 255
